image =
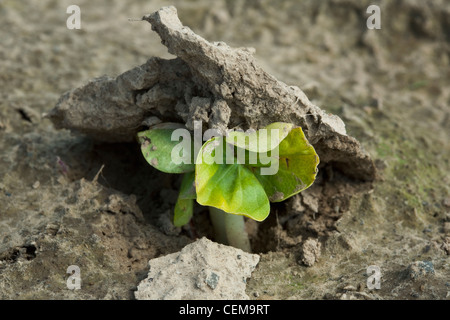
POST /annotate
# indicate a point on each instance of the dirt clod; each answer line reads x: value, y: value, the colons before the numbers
x: 117, y: 107
x: 420, y: 269
x: 310, y: 252
x: 201, y: 270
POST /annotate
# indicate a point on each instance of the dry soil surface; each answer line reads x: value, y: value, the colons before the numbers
x: 390, y: 86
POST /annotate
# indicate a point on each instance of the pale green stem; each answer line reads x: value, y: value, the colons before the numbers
x: 230, y: 229
x: 218, y: 220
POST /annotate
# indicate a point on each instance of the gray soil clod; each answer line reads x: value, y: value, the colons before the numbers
x: 201, y: 270
x: 212, y: 82
x: 310, y: 252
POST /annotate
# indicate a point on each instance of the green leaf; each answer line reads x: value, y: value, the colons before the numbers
x: 260, y: 141
x: 254, y: 159
x: 167, y: 125
x: 157, y: 146
x: 297, y: 169
x: 232, y: 188
x: 184, y: 209
x: 187, y: 189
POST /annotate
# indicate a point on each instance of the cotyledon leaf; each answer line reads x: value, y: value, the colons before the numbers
x: 232, y: 188
x: 297, y: 168
x: 262, y: 140
x: 184, y: 207
x: 157, y: 146
x: 187, y: 189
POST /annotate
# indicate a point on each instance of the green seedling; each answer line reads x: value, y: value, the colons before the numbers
x: 236, y: 176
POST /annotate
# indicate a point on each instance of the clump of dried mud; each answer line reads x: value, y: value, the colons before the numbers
x: 390, y: 86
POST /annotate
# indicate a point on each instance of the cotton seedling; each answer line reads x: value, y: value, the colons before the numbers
x: 236, y: 175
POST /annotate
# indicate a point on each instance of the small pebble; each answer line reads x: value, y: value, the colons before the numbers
x: 447, y: 202
x: 36, y: 185
x: 420, y: 269
x: 350, y: 288
x: 447, y: 227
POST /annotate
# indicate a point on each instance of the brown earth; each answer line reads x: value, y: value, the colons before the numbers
x: 390, y: 86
